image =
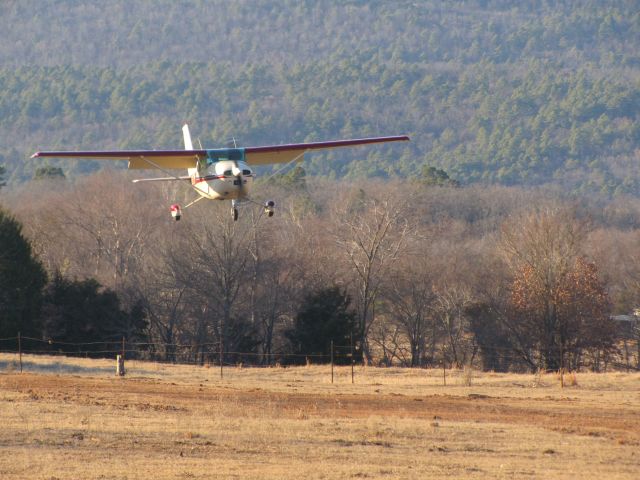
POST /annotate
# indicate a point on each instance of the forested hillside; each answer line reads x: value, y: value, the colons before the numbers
x: 508, y: 92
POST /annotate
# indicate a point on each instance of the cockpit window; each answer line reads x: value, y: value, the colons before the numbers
x: 214, y: 156
x: 246, y: 172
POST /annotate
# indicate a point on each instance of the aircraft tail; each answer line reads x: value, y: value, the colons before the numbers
x: 187, y: 137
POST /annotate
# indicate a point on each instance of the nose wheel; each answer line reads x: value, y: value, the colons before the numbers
x: 269, y: 208
x: 234, y: 210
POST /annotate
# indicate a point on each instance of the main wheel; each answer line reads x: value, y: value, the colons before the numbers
x: 176, y: 213
x: 234, y: 214
x: 269, y: 206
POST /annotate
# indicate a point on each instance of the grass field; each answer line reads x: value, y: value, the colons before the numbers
x: 73, y: 419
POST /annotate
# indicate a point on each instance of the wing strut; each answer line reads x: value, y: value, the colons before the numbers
x: 285, y: 166
x: 173, y: 177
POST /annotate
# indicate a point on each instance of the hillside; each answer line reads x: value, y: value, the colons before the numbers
x: 490, y: 91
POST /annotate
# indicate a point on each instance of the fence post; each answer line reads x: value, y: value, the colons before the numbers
x: 119, y: 365
x: 331, y: 361
x: 221, y: 356
x: 20, y: 350
x: 352, y: 359
x: 120, y: 371
x: 561, y: 365
x: 444, y: 370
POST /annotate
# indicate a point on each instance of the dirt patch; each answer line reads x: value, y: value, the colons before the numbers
x: 615, y: 422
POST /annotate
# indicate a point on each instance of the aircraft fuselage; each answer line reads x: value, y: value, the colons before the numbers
x: 221, y: 179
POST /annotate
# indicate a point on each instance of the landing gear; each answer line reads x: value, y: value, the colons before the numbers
x: 176, y: 213
x: 269, y: 207
x: 234, y: 211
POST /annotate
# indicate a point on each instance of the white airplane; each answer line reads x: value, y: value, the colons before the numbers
x: 216, y: 174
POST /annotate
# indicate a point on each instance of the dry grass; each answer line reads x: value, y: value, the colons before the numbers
x: 72, y: 418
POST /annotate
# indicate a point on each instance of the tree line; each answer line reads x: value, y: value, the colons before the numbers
x: 493, y: 92
x: 414, y: 273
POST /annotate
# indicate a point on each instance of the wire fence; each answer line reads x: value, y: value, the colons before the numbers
x: 211, y: 353
x: 207, y: 353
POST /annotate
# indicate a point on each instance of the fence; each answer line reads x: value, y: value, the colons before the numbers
x: 175, y: 353
x: 210, y: 354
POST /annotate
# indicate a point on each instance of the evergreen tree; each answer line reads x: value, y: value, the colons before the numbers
x: 294, y: 180
x: 49, y: 172
x: 22, y: 278
x: 80, y: 311
x: 324, y: 317
x: 436, y: 177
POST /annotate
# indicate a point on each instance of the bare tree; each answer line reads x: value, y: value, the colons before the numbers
x: 370, y: 234
x: 558, y: 301
x: 616, y: 252
x: 408, y: 297
x: 450, y: 308
x: 101, y: 228
x: 390, y: 344
x: 277, y: 269
x: 166, y: 306
x: 211, y: 260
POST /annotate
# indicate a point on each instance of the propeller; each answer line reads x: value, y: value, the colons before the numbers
x: 237, y: 172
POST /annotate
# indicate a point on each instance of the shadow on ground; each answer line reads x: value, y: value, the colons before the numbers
x: 53, y: 367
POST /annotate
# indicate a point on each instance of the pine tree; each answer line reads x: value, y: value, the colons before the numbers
x: 22, y: 278
x: 323, y: 317
x: 48, y: 172
x: 81, y: 311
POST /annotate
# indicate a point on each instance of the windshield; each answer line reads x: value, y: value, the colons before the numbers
x: 214, y: 156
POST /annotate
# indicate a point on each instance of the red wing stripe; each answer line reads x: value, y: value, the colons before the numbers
x: 321, y: 145
x: 126, y: 154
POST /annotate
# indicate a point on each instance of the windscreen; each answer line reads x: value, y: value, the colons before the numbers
x: 219, y: 154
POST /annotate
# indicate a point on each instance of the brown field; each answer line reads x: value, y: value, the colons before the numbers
x: 73, y: 419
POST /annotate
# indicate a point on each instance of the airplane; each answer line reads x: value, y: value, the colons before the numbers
x: 219, y: 173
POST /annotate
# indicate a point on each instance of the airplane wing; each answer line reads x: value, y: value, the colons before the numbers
x: 287, y: 153
x: 138, y: 159
x: 169, y: 159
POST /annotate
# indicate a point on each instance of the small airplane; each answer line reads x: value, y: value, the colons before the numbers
x: 215, y: 174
